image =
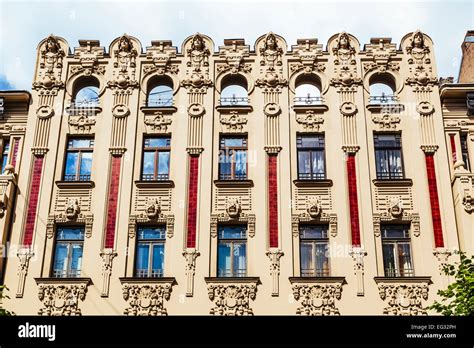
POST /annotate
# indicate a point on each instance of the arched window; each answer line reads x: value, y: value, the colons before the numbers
x: 160, y: 92
x: 382, y: 90
x: 86, y: 92
x: 234, y: 91
x: 307, y: 91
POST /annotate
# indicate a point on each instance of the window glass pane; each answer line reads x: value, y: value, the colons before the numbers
x: 161, y: 95
x: 238, y: 142
x: 232, y: 232
x: 312, y: 141
x: 389, y: 260
x: 395, y: 231
x: 80, y: 143
x: 158, y: 259
x: 60, y: 259
x: 395, y: 158
x: 76, y: 259
x: 141, y: 264
x: 322, y: 262
x: 163, y: 162
x: 304, y: 162
x: 87, y: 96
x: 70, y: 233
x: 86, y: 163
x: 240, y: 163
x: 151, y: 233
x: 71, y: 163
x: 6, y: 149
x: 318, y: 162
x: 149, y: 163
x: 404, y: 259
x: 240, y: 260
x: 223, y: 260
x: 157, y: 142
x: 306, y: 257
x: 313, y: 231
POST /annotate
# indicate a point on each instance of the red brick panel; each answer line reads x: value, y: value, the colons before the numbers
x: 353, y: 201
x: 192, y: 200
x: 273, y: 201
x: 33, y: 201
x: 112, y: 201
x: 435, y: 212
x: 453, y: 147
x: 16, y: 142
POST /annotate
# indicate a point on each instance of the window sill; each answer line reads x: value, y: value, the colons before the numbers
x: 164, y: 109
x: 392, y: 182
x: 154, y: 183
x: 240, y: 280
x: 414, y: 279
x: 233, y: 183
x: 53, y: 280
x: 142, y: 280
x: 238, y: 108
x: 388, y: 108
x: 313, y: 183
x: 318, y: 108
x: 75, y: 184
x: 329, y: 279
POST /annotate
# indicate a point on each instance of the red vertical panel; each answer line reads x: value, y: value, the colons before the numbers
x: 453, y: 147
x: 16, y: 142
x: 33, y: 201
x: 192, y: 200
x: 353, y: 201
x: 435, y: 212
x: 273, y: 201
x: 112, y: 201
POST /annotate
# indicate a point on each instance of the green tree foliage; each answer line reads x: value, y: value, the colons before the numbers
x: 458, y: 298
x: 3, y: 311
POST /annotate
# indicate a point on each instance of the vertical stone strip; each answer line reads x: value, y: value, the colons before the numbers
x: 353, y: 200
x: 33, y: 201
x: 192, y: 201
x: 273, y: 200
x: 452, y: 140
x: 15, y: 146
x: 434, y: 202
x: 112, y: 201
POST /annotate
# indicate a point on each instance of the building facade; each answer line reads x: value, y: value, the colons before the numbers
x: 234, y: 180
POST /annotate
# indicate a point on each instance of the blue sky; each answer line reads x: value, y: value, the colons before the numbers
x: 24, y: 23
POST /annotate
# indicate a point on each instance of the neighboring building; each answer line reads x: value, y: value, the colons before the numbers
x: 466, y: 72
x: 212, y: 182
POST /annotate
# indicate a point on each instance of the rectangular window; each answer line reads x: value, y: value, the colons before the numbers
x: 233, y: 158
x: 150, y: 258
x: 396, y: 249
x: 5, y: 151
x: 465, y: 152
x: 314, y: 245
x: 68, y: 252
x: 388, y: 156
x: 310, y: 157
x: 78, y: 165
x: 232, y: 251
x: 156, y: 159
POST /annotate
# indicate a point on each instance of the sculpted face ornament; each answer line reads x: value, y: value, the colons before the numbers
x: 395, y: 207
x: 314, y: 209
x: 72, y: 209
x: 343, y: 50
x: 153, y: 209
x: 125, y: 45
x: 233, y: 209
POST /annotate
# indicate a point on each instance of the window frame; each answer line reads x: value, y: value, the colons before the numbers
x: 311, y: 150
x: 387, y: 150
x: 395, y: 241
x: 223, y: 151
x: 313, y: 242
x: 465, y: 151
x: 233, y: 242
x: 156, y: 160
x: 6, y: 143
x: 69, y: 242
x: 151, y: 242
x: 77, y: 176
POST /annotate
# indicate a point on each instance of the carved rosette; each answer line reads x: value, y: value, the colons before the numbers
x: 404, y: 297
x: 317, y: 296
x: 146, y: 297
x: 61, y: 297
x: 232, y: 296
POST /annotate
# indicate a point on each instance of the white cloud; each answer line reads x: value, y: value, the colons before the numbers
x: 24, y: 23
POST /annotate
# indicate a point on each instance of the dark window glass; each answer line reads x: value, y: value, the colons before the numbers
x: 150, y: 255
x: 388, y: 156
x: 396, y: 250
x: 68, y: 252
x: 233, y: 158
x: 465, y: 152
x: 310, y: 157
x: 232, y: 251
x: 314, y: 260
x: 156, y: 159
x: 5, y: 152
x: 78, y: 164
